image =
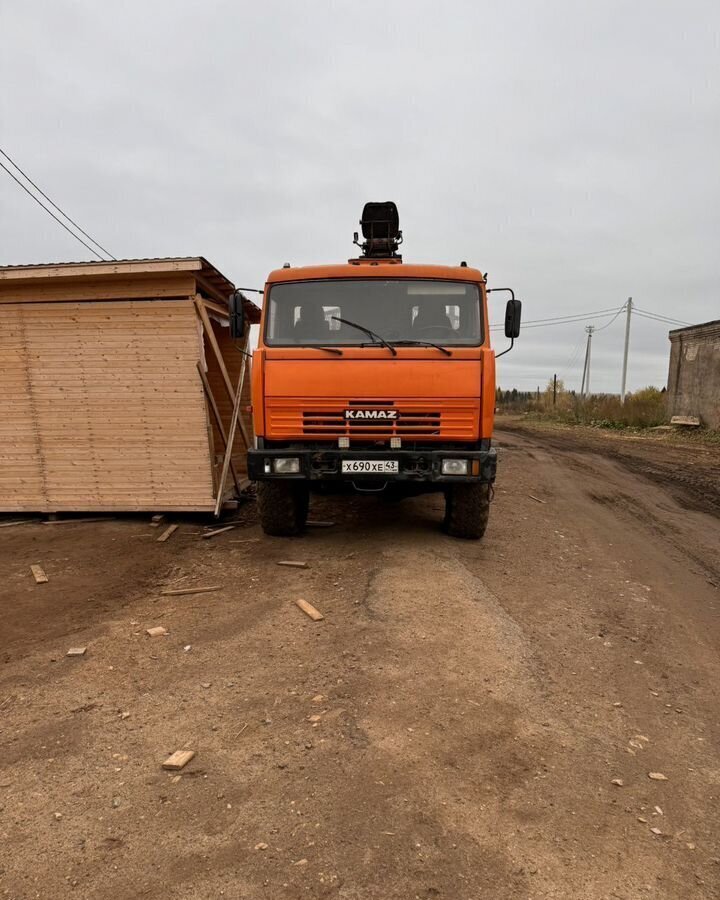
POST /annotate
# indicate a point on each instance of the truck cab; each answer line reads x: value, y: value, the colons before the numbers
x: 377, y: 375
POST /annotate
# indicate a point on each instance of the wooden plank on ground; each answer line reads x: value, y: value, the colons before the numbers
x: 178, y: 760
x: 76, y: 651
x: 693, y: 421
x: 209, y: 534
x: 310, y: 610
x: 179, y: 592
x: 39, y: 575
x: 171, y: 529
x: 293, y: 563
x: 156, y: 631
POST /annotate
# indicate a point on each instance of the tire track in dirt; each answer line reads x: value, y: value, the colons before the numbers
x: 691, y: 474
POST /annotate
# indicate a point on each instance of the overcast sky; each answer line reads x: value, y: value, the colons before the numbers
x: 568, y: 149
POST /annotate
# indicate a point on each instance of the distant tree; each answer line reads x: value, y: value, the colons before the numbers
x: 560, y: 386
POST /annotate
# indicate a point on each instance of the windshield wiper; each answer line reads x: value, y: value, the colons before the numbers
x: 318, y: 347
x: 372, y: 334
x: 423, y: 344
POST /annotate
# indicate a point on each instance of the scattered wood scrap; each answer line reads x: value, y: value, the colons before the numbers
x: 76, y: 651
x: 310, y: 610
x: 157, y: 631
x: 171, y: 529
x: 295, y: 564
x: 178, y: 760
x: 18, y: 522
x: 311, y: 523
x: 157, y: 520
x: 209, y: 534
x: 692, y: 421
x: 536, y: 499
x: 39, y: 575
x: 179, y: 592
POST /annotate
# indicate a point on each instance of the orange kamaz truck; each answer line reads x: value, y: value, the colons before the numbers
x: 375, y: 376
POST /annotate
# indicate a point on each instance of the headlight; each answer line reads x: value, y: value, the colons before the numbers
x: 286, y: 465
x: 454, y: 467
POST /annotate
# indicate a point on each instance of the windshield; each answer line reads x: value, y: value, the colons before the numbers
x: 397, y: 310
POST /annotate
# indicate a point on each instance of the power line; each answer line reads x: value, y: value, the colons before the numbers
x: 62, y: 212
x: 659, y: 316
x: 50, y: 213
x: 564, y: 320
x: 651, y: 312
x: 608, y: 324
x: 598, y: 314
x: 593, y: 312
x: 573, y: 358
x: 659, y: 320
x: 568, y: 316
x: 628, y: 307
x: 568, y: 322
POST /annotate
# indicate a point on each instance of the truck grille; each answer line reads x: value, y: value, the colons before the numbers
x: 416, y: 420
x: 406, y: 423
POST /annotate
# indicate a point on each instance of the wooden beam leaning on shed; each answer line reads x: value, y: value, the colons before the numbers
x: 207, y: 325
x: 220, y: 426
x: 236, y: 420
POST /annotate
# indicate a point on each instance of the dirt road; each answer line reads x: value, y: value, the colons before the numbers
x: 452, y: 729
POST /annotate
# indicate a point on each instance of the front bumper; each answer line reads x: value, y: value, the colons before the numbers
x: 415, y: 466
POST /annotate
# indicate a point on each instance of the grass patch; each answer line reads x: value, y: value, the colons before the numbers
x: 643, y: 409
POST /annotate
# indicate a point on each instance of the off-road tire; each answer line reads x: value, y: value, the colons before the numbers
x: 467, y: 509
x: 282, y: 507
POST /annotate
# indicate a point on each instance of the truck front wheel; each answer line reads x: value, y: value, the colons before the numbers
x: 467, y: 509
x: 282, y: 507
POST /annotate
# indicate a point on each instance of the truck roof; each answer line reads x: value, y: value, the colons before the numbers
x: 373, y: 268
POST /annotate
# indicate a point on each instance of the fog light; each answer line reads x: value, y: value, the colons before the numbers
x: 286, y: 465
x: 343, y: 443
x: 395, y: 443
x: 454, y: 467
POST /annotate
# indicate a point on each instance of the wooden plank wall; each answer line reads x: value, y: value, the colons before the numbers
x: 102, y: 408
x: 22, y: 476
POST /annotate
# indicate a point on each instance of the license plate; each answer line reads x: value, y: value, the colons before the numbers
x: 370, y: 467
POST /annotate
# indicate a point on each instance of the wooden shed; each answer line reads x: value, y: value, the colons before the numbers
x: 118, y: 386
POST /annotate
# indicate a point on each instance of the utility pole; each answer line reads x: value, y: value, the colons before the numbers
x: 554, y: 389
x: 585, y: 387
x: 627, y: 347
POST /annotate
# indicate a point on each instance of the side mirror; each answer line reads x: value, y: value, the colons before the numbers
x: 237, y: 315
x: 513, y: 311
